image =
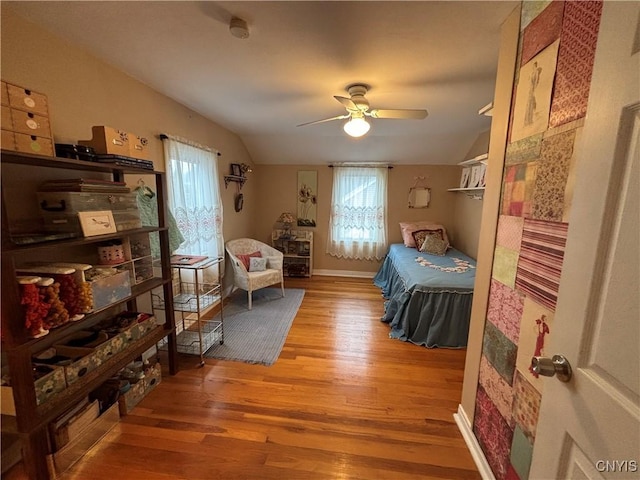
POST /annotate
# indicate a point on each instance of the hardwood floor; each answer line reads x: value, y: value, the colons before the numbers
x: 343, y: 401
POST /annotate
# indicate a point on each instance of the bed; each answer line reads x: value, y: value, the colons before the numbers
x: 428, y: 297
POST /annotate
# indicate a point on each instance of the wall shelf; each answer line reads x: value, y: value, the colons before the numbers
x: 473, y: 173
x: 234, y: 178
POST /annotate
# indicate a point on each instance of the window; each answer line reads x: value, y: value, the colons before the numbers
x: 194, y: 196
x: 358, y: 216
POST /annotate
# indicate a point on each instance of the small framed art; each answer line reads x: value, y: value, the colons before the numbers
x: 236, y: 170
x: 464, y: 179
x: 97, y: 223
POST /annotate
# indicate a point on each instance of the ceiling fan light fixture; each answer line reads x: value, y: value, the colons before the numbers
x: 356, y: 127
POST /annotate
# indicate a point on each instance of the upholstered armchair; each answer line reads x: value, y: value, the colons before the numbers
x: 241, y: 249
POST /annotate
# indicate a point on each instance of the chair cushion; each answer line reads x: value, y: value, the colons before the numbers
x: 245, y: 258
x: 257, y: 264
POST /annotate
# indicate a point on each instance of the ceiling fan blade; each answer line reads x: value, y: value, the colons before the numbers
x: 398, y: 113
x: 347, y: 102
x: 339, y: 117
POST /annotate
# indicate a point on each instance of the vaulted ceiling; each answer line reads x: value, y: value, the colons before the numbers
x: 438, y: 56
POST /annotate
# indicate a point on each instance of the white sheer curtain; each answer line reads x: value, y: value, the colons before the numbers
x: 194, y: 196
x: 358, y: 216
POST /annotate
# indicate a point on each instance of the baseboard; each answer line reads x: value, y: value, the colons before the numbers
x: 343, y: 273
x: 472, y: 444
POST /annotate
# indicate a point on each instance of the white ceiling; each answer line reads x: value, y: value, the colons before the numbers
x: 439, y: 56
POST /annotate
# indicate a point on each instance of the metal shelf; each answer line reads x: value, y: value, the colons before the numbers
x: 193, y: 298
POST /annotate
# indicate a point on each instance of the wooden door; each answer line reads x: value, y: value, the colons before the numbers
x: 589, y: 427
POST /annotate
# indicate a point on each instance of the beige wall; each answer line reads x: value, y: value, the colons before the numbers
x: 83, y: 91
x: 277, y: 193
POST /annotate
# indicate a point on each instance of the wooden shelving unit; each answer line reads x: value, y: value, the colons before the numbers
x: 297, y: 247
x: 32, y: 419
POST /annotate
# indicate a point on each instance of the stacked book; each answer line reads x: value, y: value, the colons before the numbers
x: 84, y: 185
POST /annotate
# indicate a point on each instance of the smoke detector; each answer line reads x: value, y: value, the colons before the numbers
x: 238, y: 28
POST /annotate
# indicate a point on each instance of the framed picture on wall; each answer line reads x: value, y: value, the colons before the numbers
x: 307, y: 197
x: 236, y: 170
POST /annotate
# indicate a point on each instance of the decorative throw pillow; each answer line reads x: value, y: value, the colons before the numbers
x: 420, y: 235
x: 257, y: 264
x: 434, y: 244
x: 244, y: 258
x: 407, y: 229
x: 274, y: 262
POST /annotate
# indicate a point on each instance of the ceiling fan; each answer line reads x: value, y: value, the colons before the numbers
x: 358, y: 108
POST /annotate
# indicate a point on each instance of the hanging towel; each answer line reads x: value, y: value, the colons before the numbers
x: 148, y: 206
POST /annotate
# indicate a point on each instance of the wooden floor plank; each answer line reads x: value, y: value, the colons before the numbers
x: 343, y: 401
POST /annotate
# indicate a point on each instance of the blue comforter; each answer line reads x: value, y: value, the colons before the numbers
x: 428, y: 297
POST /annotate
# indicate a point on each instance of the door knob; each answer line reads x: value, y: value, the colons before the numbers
x: 556, y: 365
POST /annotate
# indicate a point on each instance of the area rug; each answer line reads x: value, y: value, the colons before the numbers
x: 257, y: 335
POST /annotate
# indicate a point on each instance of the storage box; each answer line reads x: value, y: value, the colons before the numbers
x: 139, y: 147
x: 138, y: 391
x: 109, y: 290
x: 75, y: 426
x: 30, y: 123
x: 33, y: 144
x: 25, y: 99
x: 74, y: 202
x: 82, y: 362
x: 50, y: 384
x: 108, y: 140
x: 75, y: 449
x: 8, y: 140
x: 7, y: 120
x: 25, y: 121
x: 46, y: 387
x: 4, y: 96
x: 103, y: 347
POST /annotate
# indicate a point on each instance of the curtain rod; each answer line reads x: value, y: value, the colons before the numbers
x: 164, y: 136
x: 371, y: 165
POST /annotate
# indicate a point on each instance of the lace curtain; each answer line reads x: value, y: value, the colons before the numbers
x: 358, y: 216
x: 194, y: 196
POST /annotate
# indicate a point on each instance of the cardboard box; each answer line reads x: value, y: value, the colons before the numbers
x: 46, y: 387
x: 50, y: 384
x: 82, y: 363
x: 108, y: 141
x: 138, y: 391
